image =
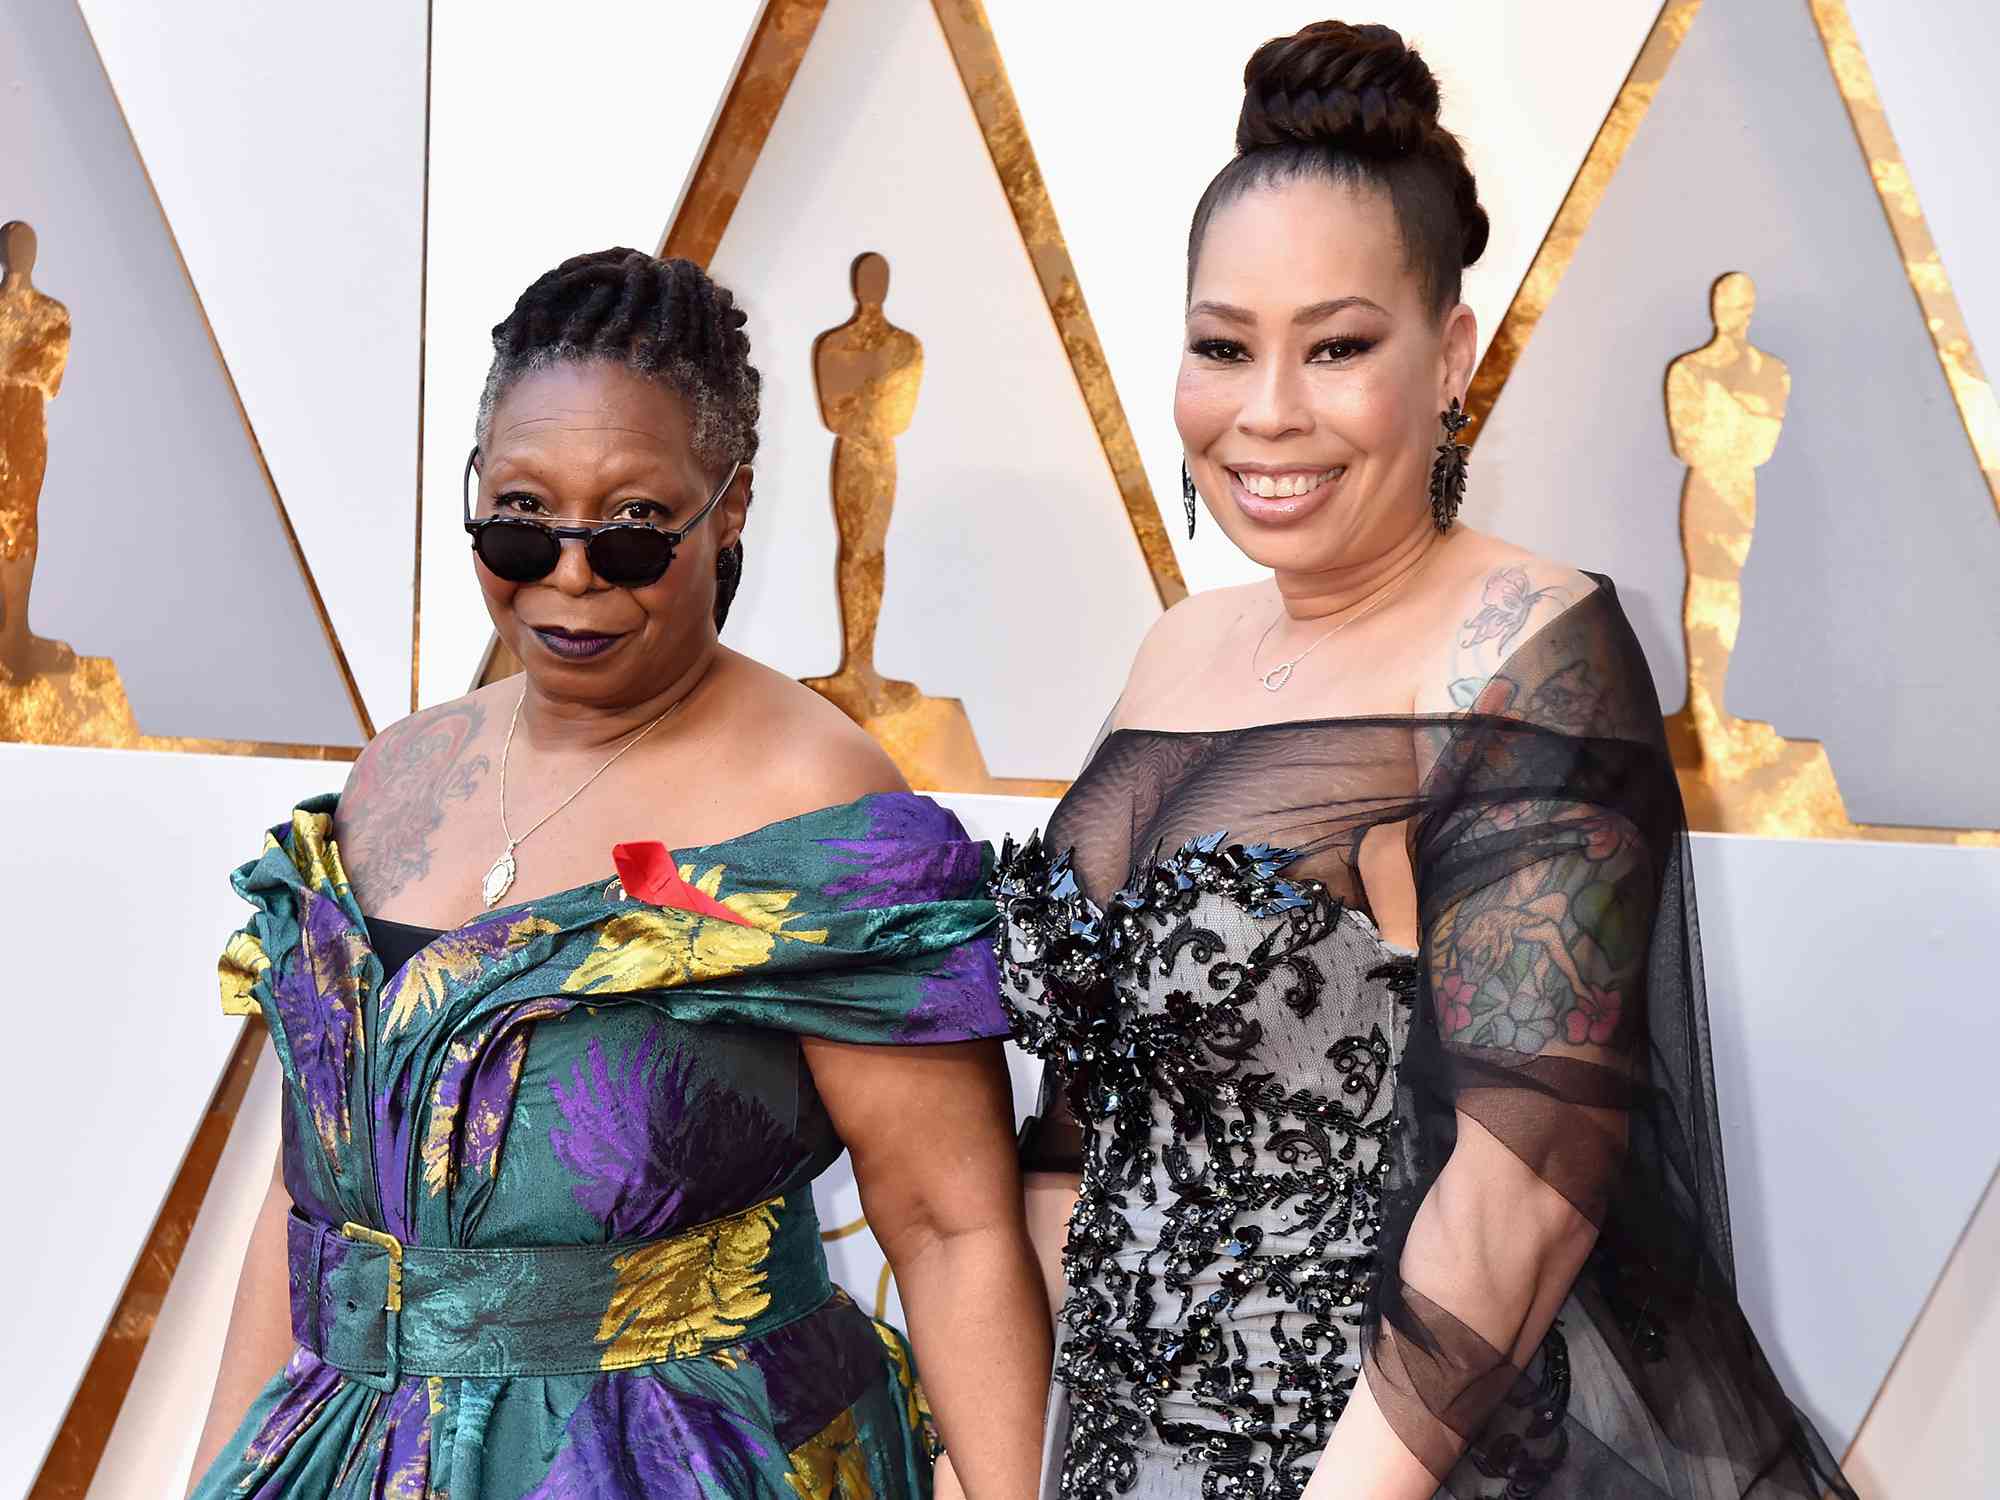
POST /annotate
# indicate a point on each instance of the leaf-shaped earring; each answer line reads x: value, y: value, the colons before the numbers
x: 1448, y: 469
x: 1188, y: 496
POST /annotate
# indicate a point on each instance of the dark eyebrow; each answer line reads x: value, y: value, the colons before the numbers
x: 1224, y: 311
x: 1313, y: 314
x: 1334, y: 305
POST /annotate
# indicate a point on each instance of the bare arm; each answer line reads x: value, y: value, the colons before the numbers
x: 260, y: 1326
x: 1050, y: 1198
x: 1531, y: 970
x: 1503, y: 1248
x: 931, y: 1133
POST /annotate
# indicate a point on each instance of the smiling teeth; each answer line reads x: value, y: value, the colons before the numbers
x: 1285, y: 486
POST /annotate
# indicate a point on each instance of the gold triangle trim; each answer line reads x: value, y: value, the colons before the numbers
x: 1989, y: 1197
x: 1770, y: 786
x: 749, y: 108
x: 750, y: 103
x: 239, y: 747
x: 85, y: 1430
x: 743, y: 123
x: 1970, y: 389
x: 1586, y: 190
x: 974, y: 48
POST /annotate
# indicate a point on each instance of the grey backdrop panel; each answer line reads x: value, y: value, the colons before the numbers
x: 160, y: 547
x: 1859, y: 1118
x: 1867, y: 617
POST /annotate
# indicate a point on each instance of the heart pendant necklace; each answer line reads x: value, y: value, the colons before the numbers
x: 1278, y: 676
x: 500, y: 874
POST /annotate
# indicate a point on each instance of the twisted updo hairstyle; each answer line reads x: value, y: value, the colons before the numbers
x: 664, y: 319
x: 1355, y: 105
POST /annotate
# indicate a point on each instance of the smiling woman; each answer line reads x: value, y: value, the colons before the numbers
x: 1378, y: 1124
x: 543, y: 1216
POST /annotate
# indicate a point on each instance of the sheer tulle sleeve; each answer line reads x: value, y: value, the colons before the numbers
x: 1557, y: 1298
x: 1051, y: 1138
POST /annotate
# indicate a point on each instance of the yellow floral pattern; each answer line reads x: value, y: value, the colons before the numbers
x: 479, y: 1146
x: 674, y: 1297
x: 832, y: 1464
x: 454, y: 959
x: 597, y: 1090
x: 243, y: 963
x: 314, y: 851
x: 660, y: 947
x: 916, y: 1405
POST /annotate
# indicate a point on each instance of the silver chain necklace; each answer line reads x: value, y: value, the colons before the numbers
x: 1281, y: 674
x: 500, y: 876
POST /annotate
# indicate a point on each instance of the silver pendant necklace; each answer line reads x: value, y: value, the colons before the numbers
x: 1278, y: 676
x: 500, y: 875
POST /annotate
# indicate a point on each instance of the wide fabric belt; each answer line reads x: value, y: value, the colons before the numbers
x: 380, y: 1310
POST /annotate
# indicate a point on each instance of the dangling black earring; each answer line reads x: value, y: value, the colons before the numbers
x: 1448, y: 469
x: 1188, y: 497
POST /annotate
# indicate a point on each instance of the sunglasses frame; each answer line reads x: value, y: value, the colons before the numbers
x: 586, y: 532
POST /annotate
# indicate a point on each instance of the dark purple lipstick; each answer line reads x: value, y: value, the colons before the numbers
x: 575, y: 645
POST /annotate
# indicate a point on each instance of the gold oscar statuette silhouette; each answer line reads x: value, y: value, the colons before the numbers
x: 867, y: 372
x: 48, y: 694
x: 1725, y: 408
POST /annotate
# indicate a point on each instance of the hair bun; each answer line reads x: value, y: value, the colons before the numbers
x: 1358, y: 89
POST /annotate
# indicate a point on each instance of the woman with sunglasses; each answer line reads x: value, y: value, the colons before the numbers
x: 582, y: 981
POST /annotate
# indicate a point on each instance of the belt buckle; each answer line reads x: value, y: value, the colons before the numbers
x: 392, y: 1303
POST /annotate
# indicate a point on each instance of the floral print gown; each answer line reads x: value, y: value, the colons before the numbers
x: 553, y: 1232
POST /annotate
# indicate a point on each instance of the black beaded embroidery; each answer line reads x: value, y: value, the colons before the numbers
x: 1071, y: 973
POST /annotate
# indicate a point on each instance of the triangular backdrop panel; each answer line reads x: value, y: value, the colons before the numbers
x: 289, y: 158
x: 1858, y: 1139
x: 1127, y: 148
x: 1932, y: 1429
x: 1013, y: 579
x: 160, y: 544
x: 1867, y: 599
x: 548, y: 139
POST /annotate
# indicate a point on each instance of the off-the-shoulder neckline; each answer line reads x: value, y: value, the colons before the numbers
x: 1605, y: 589
x: 499, y: 913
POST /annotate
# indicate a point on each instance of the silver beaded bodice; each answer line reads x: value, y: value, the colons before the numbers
x: 1228, y: 1041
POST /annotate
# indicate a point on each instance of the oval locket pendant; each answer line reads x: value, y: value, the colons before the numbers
x: 499, y: 879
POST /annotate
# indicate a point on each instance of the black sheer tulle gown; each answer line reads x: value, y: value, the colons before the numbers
x: 1265, y: 1099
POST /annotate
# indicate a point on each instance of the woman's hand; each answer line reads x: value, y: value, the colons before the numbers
x: 931, y: 1133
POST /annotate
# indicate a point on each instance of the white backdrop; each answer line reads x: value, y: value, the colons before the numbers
x: 115, y: 884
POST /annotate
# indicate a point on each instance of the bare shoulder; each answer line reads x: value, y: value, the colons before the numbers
x: 440, y: 733
x: 1193, y: 626
x: 1489, y: 598
x: 807, y: 754
x: 398, y: 793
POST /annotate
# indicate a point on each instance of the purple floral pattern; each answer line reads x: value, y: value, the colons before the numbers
x: 601, y: 1068
x: 638, y: 1131
x: 915, y: 851
x: 308, y: 1385
x: 961, y: 998
x: 633, y: 1437
x: 319, y: 1005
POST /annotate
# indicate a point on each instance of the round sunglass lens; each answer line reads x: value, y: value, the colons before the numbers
x: 518, y: 551
x: 630, y: 556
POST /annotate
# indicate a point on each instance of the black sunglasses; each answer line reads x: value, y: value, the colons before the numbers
x: 626, y: 554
